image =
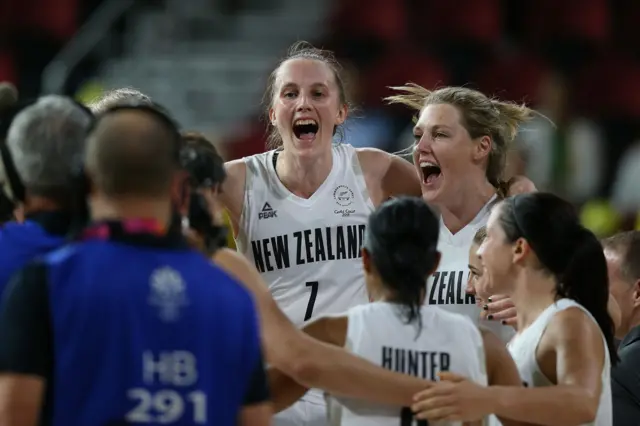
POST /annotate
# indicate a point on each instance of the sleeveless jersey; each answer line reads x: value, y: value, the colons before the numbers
x: 523, y: 350
x: 148, y: 335
x: 446, y: 288
x: 307, y: 250
x: 378, y: 333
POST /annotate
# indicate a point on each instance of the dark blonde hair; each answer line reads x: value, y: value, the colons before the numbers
x: 481, y: 116
x: 480, y: 235
x: 302, y: 50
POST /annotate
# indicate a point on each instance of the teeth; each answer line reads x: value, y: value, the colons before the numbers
x: 428, y: 164
x: 305, y: 122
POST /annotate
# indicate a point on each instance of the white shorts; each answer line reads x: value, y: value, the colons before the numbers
x: 302, y: 413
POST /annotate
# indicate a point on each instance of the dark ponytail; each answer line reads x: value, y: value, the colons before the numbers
x: 402, y: 239
x: 569, y: 251
x: 582, y: 281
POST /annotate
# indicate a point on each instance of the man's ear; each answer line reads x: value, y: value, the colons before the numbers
x: 635, y: 294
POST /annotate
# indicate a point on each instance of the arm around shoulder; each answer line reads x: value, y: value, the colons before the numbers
x: 286, y: 347
x: 394, y: 175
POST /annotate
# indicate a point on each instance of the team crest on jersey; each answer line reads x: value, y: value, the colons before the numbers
x: 267, y: 212
x: 343, y: 195
x: 168, y: 293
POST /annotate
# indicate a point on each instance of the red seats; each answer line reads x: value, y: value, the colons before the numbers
x: 584, y: 20
x: 517, y: 78
x: 399, y: 68
x: 477, y: 21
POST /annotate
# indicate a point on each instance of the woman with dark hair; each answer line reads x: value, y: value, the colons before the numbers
x: 555, y: 272
x: 398, y: 330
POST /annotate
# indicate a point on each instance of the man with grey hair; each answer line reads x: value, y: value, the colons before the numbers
x: 44, y: 142
x: 112, y: 98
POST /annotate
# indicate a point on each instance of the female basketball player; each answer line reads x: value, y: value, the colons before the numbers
x: 496, y: 307
x: 398, y: 331
x: 474, y: 283
x: 462, y: 139
x: 299, y: 211
x: 555, y: 272
x: 306, y: 360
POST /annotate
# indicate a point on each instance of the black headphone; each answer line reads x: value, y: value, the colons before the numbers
x: 206, y: 171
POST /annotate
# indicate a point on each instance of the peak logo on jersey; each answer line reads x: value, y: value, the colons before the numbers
x: 308, y: 246
x: 267, y: 212
x: 168, y: 293
x: 448, y: 288
x: 343, y: 195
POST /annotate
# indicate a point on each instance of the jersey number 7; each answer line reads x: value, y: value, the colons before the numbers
x: 406, y: 418
x: 312, y: 299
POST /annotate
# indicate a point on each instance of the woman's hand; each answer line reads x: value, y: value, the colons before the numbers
x: 453, y: 398
x: 500, y: 308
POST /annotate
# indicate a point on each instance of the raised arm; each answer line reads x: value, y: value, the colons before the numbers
x: 311, y: 362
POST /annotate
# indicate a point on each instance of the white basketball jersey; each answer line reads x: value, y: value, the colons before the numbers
x: 307, y: 250
x: 446, y: 288
x: 523, y: 350
x: 378, y: 333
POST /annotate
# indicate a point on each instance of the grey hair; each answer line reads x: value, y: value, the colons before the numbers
x: 45, y: 140
x: 116, y: 97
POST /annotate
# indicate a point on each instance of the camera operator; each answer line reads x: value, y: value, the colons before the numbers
x: 43, y: 141
x: 129, y: 314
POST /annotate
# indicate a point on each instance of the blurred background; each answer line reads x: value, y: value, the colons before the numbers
x: 575, y: 61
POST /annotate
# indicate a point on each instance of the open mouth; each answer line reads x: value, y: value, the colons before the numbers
x: 430, y: 172
x: 305, y: 129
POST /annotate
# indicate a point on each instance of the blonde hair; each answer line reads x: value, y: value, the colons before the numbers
x: 481, y: 116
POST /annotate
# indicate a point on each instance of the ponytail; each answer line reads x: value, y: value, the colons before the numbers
x: 585, y: 281
x: 405, y: 268
x: 402, y: 239
x: 566, y: 249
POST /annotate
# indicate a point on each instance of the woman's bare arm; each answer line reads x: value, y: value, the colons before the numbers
x: 388, y: 175
x: 284, y: 390
x: 311, y: 362
x: 232, y: 191
x: 501, y: 370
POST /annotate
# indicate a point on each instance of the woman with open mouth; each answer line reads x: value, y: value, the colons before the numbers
x: 462, y: 139
x: 300, y: 210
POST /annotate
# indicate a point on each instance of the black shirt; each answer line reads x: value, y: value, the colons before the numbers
x: 625, y: 381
